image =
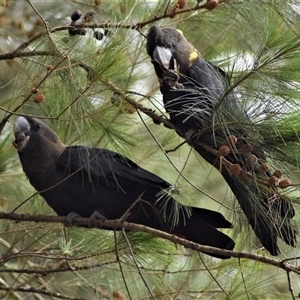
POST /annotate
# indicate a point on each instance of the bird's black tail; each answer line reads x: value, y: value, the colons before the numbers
x: 201, y: 228
x: 268, y: 213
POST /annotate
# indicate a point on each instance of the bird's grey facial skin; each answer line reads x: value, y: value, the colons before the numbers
x: 163, y: 56
x: 22, y: 133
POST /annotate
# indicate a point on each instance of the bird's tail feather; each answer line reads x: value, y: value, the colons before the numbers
x: 198, y: 231
x: 269, y: 219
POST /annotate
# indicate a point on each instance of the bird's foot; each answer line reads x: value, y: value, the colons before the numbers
x: 95, y: 216
x: 171, y: 79
x: 190, y: 136
x: 70, y: 219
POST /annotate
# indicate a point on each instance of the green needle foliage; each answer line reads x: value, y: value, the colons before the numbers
x: 78, y: 85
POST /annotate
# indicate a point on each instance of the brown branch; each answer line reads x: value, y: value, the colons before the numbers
x: 117, y: 225
x: 45, y: 272
x: 136, y: 264
x: 18, y: 54
x: 137, y: 26
x: 46, y: 25
x: 212, y: 276
x: 120, y: 265
x: 149, y: 112
x: 288, y: 273
x: 38, y: 291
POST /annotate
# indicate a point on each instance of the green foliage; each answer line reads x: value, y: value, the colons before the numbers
x: 257, y: 44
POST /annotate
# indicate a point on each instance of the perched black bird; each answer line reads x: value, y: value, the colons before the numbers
x: 197, y: 96
x: 82, y: 180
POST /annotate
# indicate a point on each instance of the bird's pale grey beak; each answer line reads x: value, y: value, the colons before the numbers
x: 163, y: 56
x: 22, y: 133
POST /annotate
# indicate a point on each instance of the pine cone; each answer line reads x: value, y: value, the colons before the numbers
x: 182, y: 3
x: 284, y: 183
x: 230, y: 140
x: 223, y: 151
x: 272, y: 180
x: 89, y: 16
x: 76, y: 15
x: 39, y: 98
x: 211, y: 4
x: 277, y: 173
x: 264, y: 167
x: 235, y: 169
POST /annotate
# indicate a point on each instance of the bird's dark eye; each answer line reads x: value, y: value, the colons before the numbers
x: 173, y: 44
x: 39, y: 126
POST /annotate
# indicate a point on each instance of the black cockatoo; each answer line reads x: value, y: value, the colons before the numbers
x: 82, y: 180
x: 205, y: 112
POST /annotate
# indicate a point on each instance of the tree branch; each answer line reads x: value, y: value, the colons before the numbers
x: 147, y: 111
x: 137, y: 26
x: 38, y: 291
x: 118, y: 225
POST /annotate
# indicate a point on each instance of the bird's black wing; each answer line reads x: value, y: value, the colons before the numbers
x: 118, y: 182
x: 102, y: 163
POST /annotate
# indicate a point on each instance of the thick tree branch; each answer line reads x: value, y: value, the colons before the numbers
x: 118, y: 225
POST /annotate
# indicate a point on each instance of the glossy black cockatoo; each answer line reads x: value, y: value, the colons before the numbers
x: 206, y: 111
x: 82, y: 180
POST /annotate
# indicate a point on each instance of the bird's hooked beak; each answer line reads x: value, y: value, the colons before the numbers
x: 164, y: 57
x: 22, y: 133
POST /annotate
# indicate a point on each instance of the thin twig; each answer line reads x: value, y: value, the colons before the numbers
x: 136, y: 264
x: 149, y: 112
x: 176, y: 168
x: 127, y: 212
x: 120, y: 264
x: 288, y: 273
x: 243, y: 279
x: 46, y: 26
x: 38, y: 291
x: 212, y: 276
x: 177, y: 147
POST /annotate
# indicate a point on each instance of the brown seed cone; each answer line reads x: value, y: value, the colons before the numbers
x: 272, y: 180
x: 223, y: 151
x: 252, y: 159
x: 182, y: 3
x: 244, y: 178
x: 173, y: 11
x: 89, y: 16
x: 235, y: 169
x: 284, y: 183
x: 49, y: 67
x: 39, y: 98
x: 245, y: 148
x: 34, y: 90
x: 230, y: 140
x: 118, y: 295
x: 264, y: 167
x: 277, y: 173
x: 211, y: 4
